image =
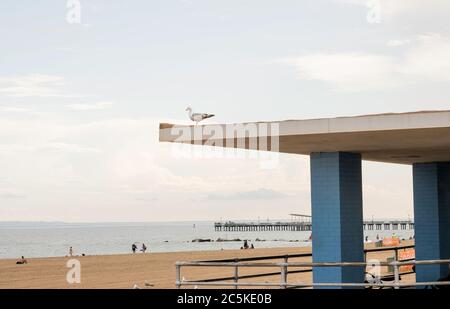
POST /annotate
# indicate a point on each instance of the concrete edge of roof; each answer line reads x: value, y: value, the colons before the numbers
x: 170, y: 125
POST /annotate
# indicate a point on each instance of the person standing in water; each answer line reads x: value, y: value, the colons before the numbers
x: 133, y: 248
x: 144, y: 248
x: 70, y: 251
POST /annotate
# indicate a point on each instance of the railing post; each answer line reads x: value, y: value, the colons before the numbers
x: 178, y: 276
x: 283, y: 278
x: 236, y: 273
x: 284, y: 273
x: 396, y: 274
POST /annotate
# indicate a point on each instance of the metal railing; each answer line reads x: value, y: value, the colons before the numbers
x: 285, y: 284
x: 284, y: 271
x: 285, y: 259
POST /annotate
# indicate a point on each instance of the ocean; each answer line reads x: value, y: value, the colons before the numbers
x: 38, y: 239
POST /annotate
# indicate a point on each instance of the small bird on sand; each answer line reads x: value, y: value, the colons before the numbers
x: 197, y: 117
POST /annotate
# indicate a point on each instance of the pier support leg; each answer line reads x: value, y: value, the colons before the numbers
x: 432, y: 218
x: 337, y: 216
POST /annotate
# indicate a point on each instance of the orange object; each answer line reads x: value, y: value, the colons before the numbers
x: 391, y: 242
x: 406, y: 254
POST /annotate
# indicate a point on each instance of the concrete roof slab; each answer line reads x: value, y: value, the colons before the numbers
x: 403, y: 138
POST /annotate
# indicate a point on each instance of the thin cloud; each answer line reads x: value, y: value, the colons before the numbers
x: 67, y: 147
x: 426, y: 59
x: 397, y: 43
x: 259, y: 194
x: 90, y: 107
x: 12, y: 109
x: 353, y: 71
x: 391, y: 9
x: 34, y: 85
x: 11, y: 194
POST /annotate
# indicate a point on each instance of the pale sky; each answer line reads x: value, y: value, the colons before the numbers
x: 80, y: 103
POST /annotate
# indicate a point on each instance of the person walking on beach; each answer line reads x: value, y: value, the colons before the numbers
x: 133, y: 248
x: 144, y: 248
x: 70, y: 251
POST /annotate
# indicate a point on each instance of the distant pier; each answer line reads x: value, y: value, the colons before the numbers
x: 261, y: 226
x: 371, y: 225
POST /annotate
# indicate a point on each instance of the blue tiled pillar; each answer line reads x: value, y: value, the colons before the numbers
x: 432, y: 218
x: 337, y: 216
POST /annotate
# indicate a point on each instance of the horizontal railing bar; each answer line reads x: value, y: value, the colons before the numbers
x: 254, y: 276
x: 271, y: 274
x: 357, y: 264
x: 405, y: 273
x: 388, y: 248
x: 317, y: 284
x: 423, y: 262
x: 406, y: 260
x: 222, y: 283
x: 290, y: 264
x: 310, y: 264
x: 233, y: 264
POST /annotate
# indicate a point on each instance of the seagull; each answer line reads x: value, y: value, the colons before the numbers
x: 197, y: 117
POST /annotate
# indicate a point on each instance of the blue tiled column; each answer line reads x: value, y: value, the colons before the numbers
x: 432, y: 218
x: 337, y: 216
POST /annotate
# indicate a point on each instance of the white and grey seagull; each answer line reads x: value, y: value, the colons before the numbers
x: 197, y: 117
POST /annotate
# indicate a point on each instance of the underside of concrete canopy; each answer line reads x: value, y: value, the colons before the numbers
x: 404, y: 138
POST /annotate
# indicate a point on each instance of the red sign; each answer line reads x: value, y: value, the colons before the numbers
x: 406, y: 254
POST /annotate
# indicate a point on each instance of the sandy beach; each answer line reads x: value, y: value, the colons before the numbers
x: 124, y: 271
